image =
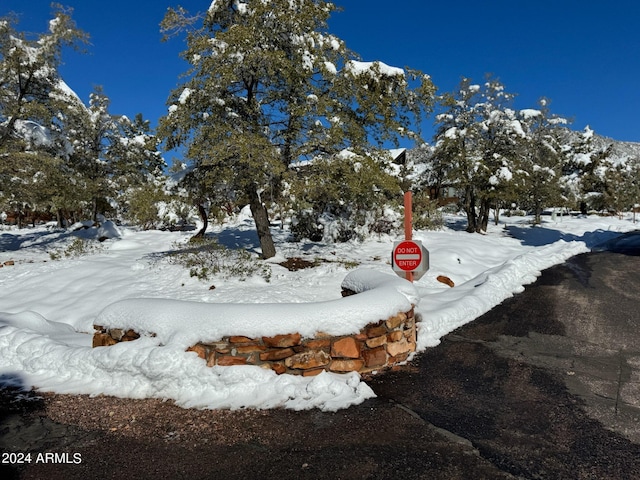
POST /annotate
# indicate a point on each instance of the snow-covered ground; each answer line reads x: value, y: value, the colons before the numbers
x: 48, y: 307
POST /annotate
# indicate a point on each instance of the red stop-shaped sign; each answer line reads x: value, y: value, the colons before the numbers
x: 407, y: 255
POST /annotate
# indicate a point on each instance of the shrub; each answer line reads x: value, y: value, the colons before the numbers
x: 205, y: 257
x: 77, y: 248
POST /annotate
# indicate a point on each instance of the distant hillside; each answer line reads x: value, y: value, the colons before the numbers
x: 628, y: 148
x: 620, y: 148
x: 631, y: 149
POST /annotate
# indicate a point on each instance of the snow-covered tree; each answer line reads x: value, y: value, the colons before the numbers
x: 29, y: 79
x: 136, y: 153
x: 56, y: 153
x: 109, y: 153
x: 621, y: 185
x: 543, y: 158
x: 477, y: 147
x: 29, y: 72
x: 585, y: 171
x: 268, y: 85
x: 344, y: 197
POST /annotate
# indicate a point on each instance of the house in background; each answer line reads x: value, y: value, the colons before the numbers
x: 444, y: 194
x: 398, y: 155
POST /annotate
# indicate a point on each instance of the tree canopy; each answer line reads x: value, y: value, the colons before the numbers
x: 268, y: 85
x: 56, y: 153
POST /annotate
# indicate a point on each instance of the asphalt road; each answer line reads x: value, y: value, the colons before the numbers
x: 544, y: 386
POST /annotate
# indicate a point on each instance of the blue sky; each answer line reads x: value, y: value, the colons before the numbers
x: 584, y: 56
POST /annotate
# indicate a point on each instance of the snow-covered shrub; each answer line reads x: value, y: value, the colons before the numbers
x: 150, y: 207
x: 143, y: 206
x: 177, y: 213
x: 329, y: 228
x: 206, y: 258
x: 78, y: 247
x: 304, y: 224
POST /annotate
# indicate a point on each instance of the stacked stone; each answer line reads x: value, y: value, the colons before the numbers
x: 104, y: 337
x: 377, y: 346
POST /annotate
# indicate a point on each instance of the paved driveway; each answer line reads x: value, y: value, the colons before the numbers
x: 546, y: 385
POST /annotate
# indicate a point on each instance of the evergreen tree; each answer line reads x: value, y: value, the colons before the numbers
x: 268, y: 86
x: 29, y: 80
x: 143, y: 204
x: 343, y: 197
x: 92, y: 131
x: 621, y: 184
x: 583, y: 172
x: 477, y: 146
x: 543, y: 158
x: 29, y: 70
x: 136, y: 154
x: 109, y: 153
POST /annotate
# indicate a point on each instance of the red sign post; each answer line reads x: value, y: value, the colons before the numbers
x: 409, y: 258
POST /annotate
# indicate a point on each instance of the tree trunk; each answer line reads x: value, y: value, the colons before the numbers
x: 94, y: 209
x: 537, y: 220
x: 496, y: 214
x: 470, y: 209
x: 205, y: 221
x: 59, y: 218
x: 261, y: 218
x: 483, y: 217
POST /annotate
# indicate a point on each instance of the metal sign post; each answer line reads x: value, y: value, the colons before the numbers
x: 408, y: 224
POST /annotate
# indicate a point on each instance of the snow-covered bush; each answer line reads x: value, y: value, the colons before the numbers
x: 151, y: 207
x: 206, y: 258
x: 143, y: 206
x: 78, y: 247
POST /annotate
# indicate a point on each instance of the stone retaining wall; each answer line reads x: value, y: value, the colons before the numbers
x: 377, y: 346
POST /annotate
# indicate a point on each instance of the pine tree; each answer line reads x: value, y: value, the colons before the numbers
x: 29, y: 79
x: 343, y: 197
x: 110, y: 153
x: 621, y: 191
x: 477, y: 144
x: 268, y: 85
x: 543, y: 158
x: 584, y: 171
x: 29, y: 70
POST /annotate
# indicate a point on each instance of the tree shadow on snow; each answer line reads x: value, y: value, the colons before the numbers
x: 538, y: 236
x: 232, y: 238
x: 236, y: 238
x: 457, y: 224
x: 12, y: 242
